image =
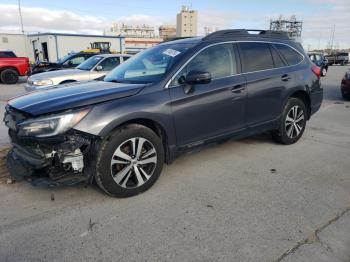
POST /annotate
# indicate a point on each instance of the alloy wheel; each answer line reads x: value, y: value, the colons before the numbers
x: 133, y: 162
x: 295, y: 121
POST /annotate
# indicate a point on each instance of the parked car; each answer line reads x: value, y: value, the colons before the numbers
x: 164, y: 101
x: 320, y: 60
x: 338, y: 58
x: 345, y: 86
x: 93, y: 68
x: 70, y: 60
x: 11, y: 67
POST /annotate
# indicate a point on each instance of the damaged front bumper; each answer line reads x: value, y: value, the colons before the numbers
x: 61, y: 160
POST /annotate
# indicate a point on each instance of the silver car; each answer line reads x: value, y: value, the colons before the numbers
x: 93, y: 68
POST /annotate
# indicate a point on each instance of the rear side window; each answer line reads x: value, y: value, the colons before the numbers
x: 290, y: 55
x: 256, y: 56
x: 277, y: 58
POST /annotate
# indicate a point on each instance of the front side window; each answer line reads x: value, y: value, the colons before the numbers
x: 149, y: 66
x: 109, y: 63
x: 290, y: 55
x: 218, y: 60
x: 256, y: 56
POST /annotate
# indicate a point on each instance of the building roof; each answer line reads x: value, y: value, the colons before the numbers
x: 81, y: 35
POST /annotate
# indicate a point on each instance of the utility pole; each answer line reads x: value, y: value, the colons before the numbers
x: 20, y: 15
x: 332, y: 38
x: 319, y: 41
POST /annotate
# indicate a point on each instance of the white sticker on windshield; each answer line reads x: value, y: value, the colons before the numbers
x: 171, y: 52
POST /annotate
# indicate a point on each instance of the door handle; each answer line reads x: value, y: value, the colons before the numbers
x: 285, y: 78
x: 238, y: 88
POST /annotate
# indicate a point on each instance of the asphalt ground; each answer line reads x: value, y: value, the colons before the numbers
x: 245, y: 200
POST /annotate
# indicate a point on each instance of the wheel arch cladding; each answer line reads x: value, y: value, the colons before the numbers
x: 303, y: 96
x: 157, y: 128
x: 8, y: 67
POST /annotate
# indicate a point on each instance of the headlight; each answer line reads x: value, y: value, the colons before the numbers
x: 44, y: 82
x: 51, y: 125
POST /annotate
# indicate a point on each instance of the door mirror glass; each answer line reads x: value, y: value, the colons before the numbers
x: 99, y: 68
x: 198, y: 77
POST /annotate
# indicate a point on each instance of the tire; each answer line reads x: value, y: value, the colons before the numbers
x: 324, y: 71
x: 127, y: 176
x: 9, y: 76
x: 290, y: 131
x: 345, y: 96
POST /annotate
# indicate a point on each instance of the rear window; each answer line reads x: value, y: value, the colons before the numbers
x: 256, y: 56
x: 7, y: 54
x: 290, y: 55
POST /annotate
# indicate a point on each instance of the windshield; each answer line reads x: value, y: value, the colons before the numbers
x: 149, y: 66
x: 90, y: 63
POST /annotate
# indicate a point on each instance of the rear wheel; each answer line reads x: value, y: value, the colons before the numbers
x: 293, y: 122
x: 9, y: 76
x: 130, y: 161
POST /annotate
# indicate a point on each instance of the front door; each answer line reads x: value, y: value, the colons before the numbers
x: 211, y: 109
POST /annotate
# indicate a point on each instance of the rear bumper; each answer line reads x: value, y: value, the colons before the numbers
x: 316, y: 101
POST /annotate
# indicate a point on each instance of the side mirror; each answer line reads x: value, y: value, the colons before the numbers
x: 198, y: 77
x: 99, y: 68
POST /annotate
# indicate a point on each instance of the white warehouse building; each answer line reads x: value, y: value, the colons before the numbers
x: 52, y: 46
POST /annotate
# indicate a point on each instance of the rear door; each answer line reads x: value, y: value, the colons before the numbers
x: 266, y: 78
x: 211, y: 109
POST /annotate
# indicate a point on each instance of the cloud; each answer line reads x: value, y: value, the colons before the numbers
x: 216, y: 19
x: 317, y: 25
x: 44, y: 20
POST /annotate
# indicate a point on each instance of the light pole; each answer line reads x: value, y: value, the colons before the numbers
x: 20, y: 15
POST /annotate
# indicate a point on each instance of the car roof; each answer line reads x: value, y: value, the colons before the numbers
x: 112, y: 55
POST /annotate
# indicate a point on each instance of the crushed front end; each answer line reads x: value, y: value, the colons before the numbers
x: 63, y: 158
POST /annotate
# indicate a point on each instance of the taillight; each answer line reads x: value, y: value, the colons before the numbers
x: 317, y: 71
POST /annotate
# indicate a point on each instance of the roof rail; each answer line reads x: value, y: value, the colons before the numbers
x: 175, y: 38
x: 246, y: 32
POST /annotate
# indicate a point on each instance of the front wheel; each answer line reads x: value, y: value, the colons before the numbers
x: 293, y: 122
x: 129, y: 161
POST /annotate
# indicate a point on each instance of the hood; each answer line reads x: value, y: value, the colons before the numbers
x: 72, y: 96
x: 58, y: 73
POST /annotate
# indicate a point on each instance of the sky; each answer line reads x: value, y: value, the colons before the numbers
x: 81, y: 16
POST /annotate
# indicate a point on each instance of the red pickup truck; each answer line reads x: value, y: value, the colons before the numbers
x: 11, y: 67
